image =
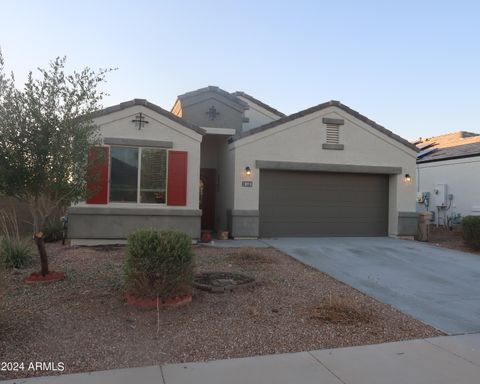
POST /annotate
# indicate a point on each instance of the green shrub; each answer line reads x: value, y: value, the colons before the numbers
x: 471, y: 230
x: 15, y: 253
x: 159, y: 264
x: 53, y: 231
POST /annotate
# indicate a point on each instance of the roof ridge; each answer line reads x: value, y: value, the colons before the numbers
x: 319, y: 107
x: 259, y: 102
x: 214, y: 88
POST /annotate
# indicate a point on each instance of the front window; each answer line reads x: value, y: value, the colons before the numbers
x: 138, y: 175
x: 153, y: 175
x: 124, y: 174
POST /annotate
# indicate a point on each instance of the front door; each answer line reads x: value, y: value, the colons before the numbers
x: 208, y: 184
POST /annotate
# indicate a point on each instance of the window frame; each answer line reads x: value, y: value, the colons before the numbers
x: 139, y: 174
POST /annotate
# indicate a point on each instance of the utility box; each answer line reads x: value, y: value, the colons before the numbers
x: 439, y: 196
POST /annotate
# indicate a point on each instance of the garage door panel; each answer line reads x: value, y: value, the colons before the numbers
x: 323, y: 229
x: 322, y: 204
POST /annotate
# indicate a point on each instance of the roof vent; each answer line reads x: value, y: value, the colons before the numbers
x: 332, y: 133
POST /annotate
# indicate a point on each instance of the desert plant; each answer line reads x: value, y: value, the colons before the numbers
x: 15, y: 253
x: 9, y: 224
x: 471, y: 230
x: 46, y: 131
x: 159, y: 264
x: 53, y: 231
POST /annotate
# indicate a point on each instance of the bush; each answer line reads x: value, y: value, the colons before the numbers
x: 15, y: 253
x: 471, y: 230
x: 53, y: 231
x: 159, y: 264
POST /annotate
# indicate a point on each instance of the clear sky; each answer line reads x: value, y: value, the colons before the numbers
x: 412, y: 66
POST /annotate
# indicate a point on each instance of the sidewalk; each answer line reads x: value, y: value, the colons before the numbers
x: 440, y: 360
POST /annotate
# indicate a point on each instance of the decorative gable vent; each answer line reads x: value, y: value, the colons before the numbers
x: 332, y: 133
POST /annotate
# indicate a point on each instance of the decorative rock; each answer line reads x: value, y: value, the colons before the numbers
x: 219, y: 282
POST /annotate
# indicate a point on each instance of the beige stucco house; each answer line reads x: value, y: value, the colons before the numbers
x: 228, y: 161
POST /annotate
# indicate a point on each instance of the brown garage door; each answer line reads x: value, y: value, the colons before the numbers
x: 296, y: 203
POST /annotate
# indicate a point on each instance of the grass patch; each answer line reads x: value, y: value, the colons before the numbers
x: 249, y: 257
x: 342, y: 310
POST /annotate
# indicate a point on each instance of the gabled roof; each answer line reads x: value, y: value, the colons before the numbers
x: 258, y: 102
x: 153, y: 107
x: 217, y: 90
x: 319, y: 107
x: 455, y: 145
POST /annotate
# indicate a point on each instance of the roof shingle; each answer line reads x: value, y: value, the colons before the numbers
x: 450, y: 146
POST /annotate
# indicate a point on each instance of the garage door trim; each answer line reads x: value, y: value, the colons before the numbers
x: 323, y: 167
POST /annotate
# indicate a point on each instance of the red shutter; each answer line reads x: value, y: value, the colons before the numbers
x: 177, y: 178
x: 97, y: 175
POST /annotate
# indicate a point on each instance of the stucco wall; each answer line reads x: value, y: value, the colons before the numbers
x: 209, y: 151
x: 459, y: 175
x: 194, y: 109
x: 256, y: 115
x: 301, y: 140
x: 159, y: 128
x: 226, y: 173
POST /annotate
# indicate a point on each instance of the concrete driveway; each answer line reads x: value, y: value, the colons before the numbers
x: 438, y: 286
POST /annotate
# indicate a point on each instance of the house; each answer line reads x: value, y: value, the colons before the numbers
x: 448, y: 169
x: 223, y: 160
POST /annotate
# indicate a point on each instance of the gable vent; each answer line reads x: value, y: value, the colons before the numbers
x: 333, y: 134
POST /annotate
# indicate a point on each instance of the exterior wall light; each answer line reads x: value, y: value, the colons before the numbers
x: 407, y: 178
x: 248, y: 171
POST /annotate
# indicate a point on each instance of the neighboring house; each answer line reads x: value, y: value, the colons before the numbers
x: 223, y: 160
x: 448, y: 169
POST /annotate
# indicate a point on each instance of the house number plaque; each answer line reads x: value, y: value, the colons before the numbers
x: 248, y: 184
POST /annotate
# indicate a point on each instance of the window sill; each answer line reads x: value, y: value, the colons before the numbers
x: 132, y: 210
x: 337, y: 147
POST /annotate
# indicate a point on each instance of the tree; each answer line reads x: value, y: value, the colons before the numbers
x: 46, y: 131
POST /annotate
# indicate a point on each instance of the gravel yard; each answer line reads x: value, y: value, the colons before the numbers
x: 84, y: 322
x: 443, y: 237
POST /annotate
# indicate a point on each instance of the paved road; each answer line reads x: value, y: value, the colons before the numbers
x: 439, y: 286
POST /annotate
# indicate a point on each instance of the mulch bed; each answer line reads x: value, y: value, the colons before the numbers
x: 84, y: 322
x: 50, y: 277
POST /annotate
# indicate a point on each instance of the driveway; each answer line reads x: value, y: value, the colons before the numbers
x: 438, y: 286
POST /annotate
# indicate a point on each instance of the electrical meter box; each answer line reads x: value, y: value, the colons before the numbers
x: 439, y: 196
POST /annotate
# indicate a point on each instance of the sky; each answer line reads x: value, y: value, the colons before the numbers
x: 411, y: 66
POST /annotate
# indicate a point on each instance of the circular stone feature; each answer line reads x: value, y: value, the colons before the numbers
x: 218, y: 282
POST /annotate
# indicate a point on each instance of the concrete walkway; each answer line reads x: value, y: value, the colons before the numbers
x: 436, y: 285
x: 440, y: 360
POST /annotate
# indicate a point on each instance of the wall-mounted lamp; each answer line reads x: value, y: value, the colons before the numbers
x: 248, y: 171
x: 407, y: 178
